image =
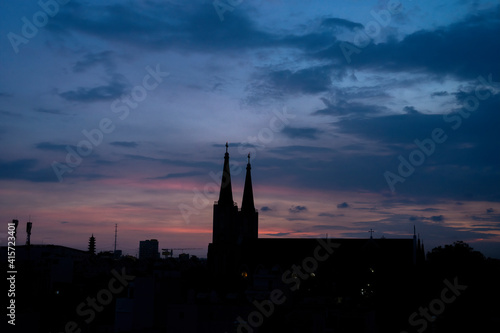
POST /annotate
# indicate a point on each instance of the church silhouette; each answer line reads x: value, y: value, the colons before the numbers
x: 359, y: 279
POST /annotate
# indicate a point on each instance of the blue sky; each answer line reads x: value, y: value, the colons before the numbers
x: 328, y: 97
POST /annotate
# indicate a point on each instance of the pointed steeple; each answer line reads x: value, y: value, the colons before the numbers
x: 247, y: 205
x: 226, y: 192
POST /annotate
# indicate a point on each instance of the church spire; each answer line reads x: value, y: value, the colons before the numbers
x: 226, y: 192
x: 247, y: 204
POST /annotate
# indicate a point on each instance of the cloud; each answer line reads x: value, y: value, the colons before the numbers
x: 410, y: 110
x: 298, y: 150
x: 126, y: 144
x: 114, y: 89
x: 161, y: 26
x: 94, y: 59
x: 343, y: 205
x: 335, y: 227
x: 179, y: 162
x: 301, y: 132
x: 342, y: 108
x: 311, y: 80
x: 436, y: 218
x: 428, y: 210
x: 488, y: 216
x: 26, y: 169
x: 179, y: 175
x: 278, y: 234
x: 330, y: 214
x: 398, y: 128
x: 51, y: 146
x: 297, y: 209
x: 10, y: 114
x: 489, y: 210
x: 49, y: 111
x: 275, y: 85
x: 462, y: 49
x: 440, y: 94
x: 265, y: 209
x: 339, y: 22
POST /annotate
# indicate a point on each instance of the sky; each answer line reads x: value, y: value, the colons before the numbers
x: 357, y: 115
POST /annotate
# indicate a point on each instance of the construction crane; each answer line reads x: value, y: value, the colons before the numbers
x: 170, y: 252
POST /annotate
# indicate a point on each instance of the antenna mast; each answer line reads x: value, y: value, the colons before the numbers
x: 116, y: 231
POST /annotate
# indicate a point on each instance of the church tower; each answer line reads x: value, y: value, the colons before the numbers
x: 249, y: 218
x: 235, y: 232
x: 223, y: 252
x: 225, y: 224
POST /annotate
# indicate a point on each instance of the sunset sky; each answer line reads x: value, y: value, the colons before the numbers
x: 358, y: 115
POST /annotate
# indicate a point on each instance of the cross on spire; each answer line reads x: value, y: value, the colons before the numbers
x: 371, y: 231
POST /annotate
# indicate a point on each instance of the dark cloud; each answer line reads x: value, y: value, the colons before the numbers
x: 126, y: 144
x: 162, y: 25
x: 463, y: 49
x: 52, y: 146
x: 399, y: 128
x: 343, y: 205
x: 436, y: 218
x: 49, y: 111
x: 440, y: 94
x: 310, y: 80
x: 410, y: 110
x: 298, y: 150
x: 329, y: 215
x: 175, y: 162
x: 265, y: 209
x: 278, y: 234
x: 489, y: 210
x: 179, y: 175
x: 26, y: 169
x: 333, y: 227
x: 343, y: 107
x: 10, y: 114
x: 114, y: 89
x: 428, y: 210
x: 94, y: 59
x: 301, y: 132
x: 487, y: 217
x: 270, y: 85
x: 297, y: 209
x: 339, y: 22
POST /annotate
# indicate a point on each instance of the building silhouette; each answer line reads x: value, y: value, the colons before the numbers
x: 148, y: 249
x: 92, y: 245
x: 364, y: 273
